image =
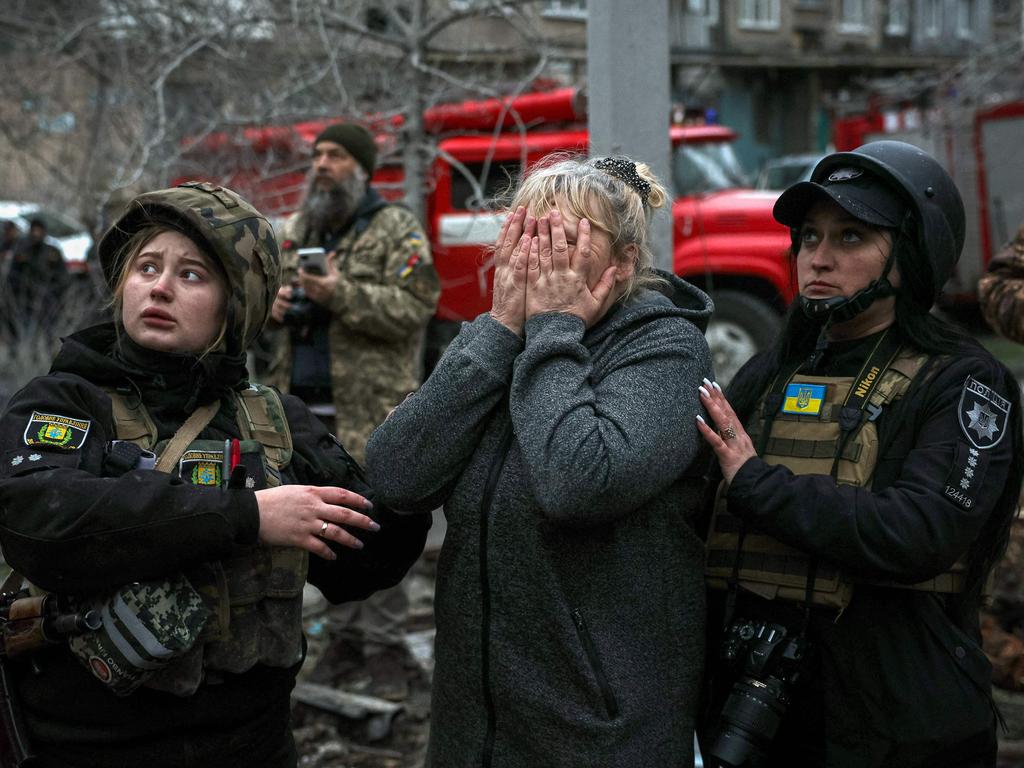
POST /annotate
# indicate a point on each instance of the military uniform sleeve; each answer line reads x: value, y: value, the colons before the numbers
x: 290, y: 240
x: 1001, y: 291
x: 387, y: 554
x: 393, y: 294
x: 945, y: 487
x: 69, y: 529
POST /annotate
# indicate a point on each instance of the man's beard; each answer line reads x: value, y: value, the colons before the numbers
x: 328, y: 208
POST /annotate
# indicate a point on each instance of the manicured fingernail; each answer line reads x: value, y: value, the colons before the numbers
x: 704, y: 392
x: 369, y: 504
x: 707, y: 383
x: 374, y: 526
x: 585, y: 223
x: 716, y: 386
x: 359, y: 544
x: 701, y: 419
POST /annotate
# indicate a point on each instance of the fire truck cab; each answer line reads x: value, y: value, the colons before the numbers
x: 724, y: 237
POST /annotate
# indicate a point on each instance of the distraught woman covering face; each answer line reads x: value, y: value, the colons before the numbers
x: 174, y: 296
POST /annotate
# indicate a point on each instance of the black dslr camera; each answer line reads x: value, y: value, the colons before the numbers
x: 300, y: 314
x: 768, y: 661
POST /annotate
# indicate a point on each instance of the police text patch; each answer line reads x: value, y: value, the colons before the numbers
x: 983, y: 414
x: 56, y: 431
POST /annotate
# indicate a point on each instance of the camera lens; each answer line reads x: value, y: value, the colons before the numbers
x: 750, y: 718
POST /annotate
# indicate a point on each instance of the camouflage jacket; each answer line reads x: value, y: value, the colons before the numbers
x: 387, y: 291
x: 1001, y: 291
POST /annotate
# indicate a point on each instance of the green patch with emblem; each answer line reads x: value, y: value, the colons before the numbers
x: 56, y: 431
x: 202, y: 467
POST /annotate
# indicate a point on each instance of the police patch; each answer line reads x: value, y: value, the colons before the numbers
x: 845, y: 174
x: 983, y: 414
x: 56, y: 431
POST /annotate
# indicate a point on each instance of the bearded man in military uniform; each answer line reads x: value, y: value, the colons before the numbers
x: 353, y: 345
x: 355, y: 332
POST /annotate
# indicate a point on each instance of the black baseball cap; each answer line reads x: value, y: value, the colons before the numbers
x: 857, y: 191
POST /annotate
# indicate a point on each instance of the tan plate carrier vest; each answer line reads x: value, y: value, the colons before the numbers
x: 256, y: 596
x: 807, y: 445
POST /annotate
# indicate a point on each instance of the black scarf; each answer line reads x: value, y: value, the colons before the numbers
x: 172, y: 385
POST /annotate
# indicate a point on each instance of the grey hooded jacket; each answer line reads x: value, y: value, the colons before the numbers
x: 570, y: 595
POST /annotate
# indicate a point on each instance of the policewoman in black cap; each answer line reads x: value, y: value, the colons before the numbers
x: 870, y: 464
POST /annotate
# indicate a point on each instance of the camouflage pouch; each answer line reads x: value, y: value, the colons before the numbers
x: 145, y: 627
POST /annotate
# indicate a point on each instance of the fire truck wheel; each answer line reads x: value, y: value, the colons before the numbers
x: 741, y: 326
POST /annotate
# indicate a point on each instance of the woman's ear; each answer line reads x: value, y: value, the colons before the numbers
x: 627, y: 264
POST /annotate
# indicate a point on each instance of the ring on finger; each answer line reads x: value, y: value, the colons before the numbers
x: 324, y: 527
x: 728, y: 433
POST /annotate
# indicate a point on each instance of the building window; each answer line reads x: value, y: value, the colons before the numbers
x: 931, y: 17
x: 966, y: 19
x: 899, y: 17
x: 758, y: 14
x: 853, y: 16
x: 565, y: 9
x: 705, y: 9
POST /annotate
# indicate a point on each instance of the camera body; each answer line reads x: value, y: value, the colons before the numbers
x: 300, y: 314
x: 768, y: 659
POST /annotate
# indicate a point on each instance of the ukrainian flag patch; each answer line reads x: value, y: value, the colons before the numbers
x: 56, y: 431
x: 804, y: 399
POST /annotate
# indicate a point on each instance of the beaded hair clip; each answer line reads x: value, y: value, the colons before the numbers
x: 625, y: 170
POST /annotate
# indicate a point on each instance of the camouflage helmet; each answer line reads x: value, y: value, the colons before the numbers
x: 228, y: 229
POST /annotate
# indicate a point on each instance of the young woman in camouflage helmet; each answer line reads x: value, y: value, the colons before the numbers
x: 146, y: 478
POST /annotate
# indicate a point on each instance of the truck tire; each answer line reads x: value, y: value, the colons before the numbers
x: 741, y: 326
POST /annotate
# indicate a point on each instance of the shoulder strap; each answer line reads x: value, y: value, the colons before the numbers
x: 186, y: 433
x: 897, y: 378
x: 261, y: 417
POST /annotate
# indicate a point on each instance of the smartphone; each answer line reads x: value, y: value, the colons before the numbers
x: 313, y: 260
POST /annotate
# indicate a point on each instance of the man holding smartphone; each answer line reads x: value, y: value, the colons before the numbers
x: 355, y: 316
x: 355, y: 331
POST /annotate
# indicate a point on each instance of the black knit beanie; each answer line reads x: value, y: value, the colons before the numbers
x: 355, y: 139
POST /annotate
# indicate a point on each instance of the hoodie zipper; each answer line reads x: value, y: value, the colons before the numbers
x: 493, y: 475
x: 610, y: 704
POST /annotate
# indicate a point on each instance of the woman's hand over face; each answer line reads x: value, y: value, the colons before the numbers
x: 508, y: 304
x: 730, y: 442
x: 556, y: 279
x: 304, y: 516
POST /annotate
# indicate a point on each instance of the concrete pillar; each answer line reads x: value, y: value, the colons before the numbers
x: 628, y: 101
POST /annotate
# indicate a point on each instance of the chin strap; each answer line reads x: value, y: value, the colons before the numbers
x: 839, y: 309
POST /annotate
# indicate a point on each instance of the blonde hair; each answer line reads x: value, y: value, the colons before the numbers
x: 608, y: 202
x: 125, y: 258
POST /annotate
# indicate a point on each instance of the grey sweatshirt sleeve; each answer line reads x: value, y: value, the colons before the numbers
x: 600, y: 439
x: 415, y: 456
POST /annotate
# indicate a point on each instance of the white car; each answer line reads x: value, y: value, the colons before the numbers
x: 62, y: 231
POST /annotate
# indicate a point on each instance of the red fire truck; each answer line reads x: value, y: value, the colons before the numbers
x: 725, y: 239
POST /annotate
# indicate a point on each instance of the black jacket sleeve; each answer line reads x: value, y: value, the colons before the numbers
x: 69, y: 529
x: 388, y: 554
x: 942, y: 491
